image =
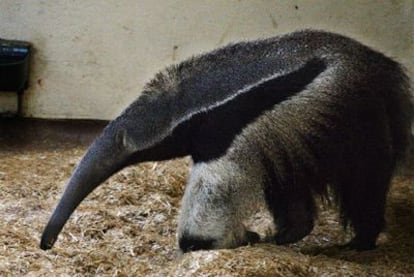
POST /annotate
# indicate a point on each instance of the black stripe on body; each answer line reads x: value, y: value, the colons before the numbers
x: 207, y: 135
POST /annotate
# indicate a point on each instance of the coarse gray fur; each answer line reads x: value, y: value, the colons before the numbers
x: 275, y: 120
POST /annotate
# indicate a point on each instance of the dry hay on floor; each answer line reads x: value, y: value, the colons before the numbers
x: 127, y: 228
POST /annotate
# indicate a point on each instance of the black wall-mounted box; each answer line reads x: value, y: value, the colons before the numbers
x: 14, y: 65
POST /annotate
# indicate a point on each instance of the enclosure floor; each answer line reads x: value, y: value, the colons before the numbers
x: 126, y: 227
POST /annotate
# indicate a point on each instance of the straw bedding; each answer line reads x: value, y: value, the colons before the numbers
x: 127, y: 226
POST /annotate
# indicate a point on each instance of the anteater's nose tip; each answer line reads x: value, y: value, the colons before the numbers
x: 47, y: 243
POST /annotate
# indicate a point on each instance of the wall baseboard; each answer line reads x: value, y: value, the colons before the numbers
x: 20, y: 132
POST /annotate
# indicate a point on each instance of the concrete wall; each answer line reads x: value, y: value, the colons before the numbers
x: 93, y: 56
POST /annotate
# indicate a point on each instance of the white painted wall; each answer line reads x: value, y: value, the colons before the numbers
x: 93, y: 56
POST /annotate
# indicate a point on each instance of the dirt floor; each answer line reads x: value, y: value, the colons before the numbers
x: 127, y: 226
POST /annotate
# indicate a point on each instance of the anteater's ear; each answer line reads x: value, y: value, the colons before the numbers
x: 124, y: 141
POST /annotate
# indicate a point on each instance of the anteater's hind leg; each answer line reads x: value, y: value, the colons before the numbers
x: 366, y: 167
x: 362, y: 197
